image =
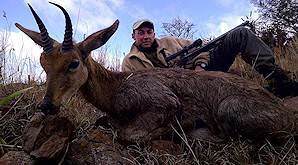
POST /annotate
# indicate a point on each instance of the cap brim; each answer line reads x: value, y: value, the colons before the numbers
x: 139, y: 24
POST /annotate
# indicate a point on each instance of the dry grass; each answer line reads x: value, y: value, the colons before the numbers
x: 84, y: 115
x: 237, y: 151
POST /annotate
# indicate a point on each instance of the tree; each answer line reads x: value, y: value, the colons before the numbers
x: 279, y: 19
x: 179, y: 28
x: 282, y: 13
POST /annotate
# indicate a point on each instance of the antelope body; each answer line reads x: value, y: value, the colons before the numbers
x: 144, y: 104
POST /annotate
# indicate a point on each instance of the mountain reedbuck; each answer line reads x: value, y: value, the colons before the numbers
x: 143, y: 105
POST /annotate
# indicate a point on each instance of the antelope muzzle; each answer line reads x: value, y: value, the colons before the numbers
x: 47, y: 107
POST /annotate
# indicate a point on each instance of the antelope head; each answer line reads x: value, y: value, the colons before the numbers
x: 64, y: 63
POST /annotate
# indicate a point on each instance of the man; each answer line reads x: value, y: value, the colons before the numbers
x: 148, y: 52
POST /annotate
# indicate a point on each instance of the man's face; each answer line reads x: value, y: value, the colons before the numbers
x: 144, y: 37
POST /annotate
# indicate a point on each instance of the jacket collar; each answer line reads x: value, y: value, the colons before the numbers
x: 135, y: 52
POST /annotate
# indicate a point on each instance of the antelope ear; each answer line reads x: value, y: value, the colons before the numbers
x: 35, y: 36
x: 98, y: 39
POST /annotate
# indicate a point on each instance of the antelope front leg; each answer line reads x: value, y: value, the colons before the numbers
x: 147, y: 126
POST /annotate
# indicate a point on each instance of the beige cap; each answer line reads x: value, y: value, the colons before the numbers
x: 140, y: 22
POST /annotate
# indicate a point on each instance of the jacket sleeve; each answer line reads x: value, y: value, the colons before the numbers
x: 183, y: 42
x: 202, y: 59
x: 126, y: 65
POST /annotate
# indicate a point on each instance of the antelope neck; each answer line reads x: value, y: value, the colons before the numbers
x: 101, y: 85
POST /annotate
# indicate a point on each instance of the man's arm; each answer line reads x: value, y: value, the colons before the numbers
x: 183, y: 42
x: 200, y: 61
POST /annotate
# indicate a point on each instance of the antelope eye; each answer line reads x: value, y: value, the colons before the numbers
x: 73, y: 65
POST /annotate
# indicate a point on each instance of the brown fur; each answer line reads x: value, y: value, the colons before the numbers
x: 143, y: 105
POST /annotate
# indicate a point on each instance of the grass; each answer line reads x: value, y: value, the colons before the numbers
x: 237, y: 151
x: 16, y: 114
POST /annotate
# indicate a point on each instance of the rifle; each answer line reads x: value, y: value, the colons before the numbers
x: 194, y: 49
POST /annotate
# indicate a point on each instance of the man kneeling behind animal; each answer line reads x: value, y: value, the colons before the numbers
x: 148, y: 52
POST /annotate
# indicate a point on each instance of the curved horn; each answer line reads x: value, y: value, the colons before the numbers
x: 47, y: 42
x: 67, y: 42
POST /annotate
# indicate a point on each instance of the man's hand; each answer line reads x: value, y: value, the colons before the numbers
x: 199, y: 68
x: 199, y: 62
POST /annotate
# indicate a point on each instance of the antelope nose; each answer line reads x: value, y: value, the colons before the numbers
x: 47, y: 107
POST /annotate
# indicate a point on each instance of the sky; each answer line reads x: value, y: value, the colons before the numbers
x: 211, y: 18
